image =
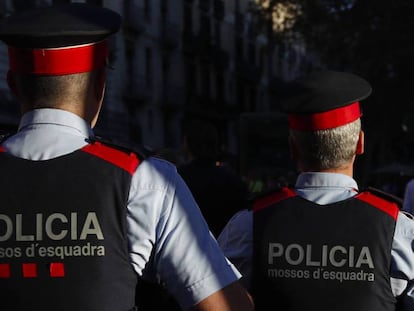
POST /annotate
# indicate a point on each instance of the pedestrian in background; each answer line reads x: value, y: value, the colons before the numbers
x: 82, y: 220
x: 324, y: 244
x: 218, y: 190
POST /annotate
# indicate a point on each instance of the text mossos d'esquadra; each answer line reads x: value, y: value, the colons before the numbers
x: 72, y: 227
x: 336, y: 263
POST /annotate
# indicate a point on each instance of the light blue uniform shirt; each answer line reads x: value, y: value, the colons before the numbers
x: 236, y: 239
x: 162, y: 215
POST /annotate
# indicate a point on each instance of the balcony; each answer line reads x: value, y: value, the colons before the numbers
x: 219, y: 9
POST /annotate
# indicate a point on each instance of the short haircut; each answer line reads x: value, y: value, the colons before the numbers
x: 327, y: 149
x: 45, y: 91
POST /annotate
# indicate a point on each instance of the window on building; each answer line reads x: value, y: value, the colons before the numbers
x: 21, y: 5
x: 188, y: 20
x: 95, y: 2
x: 150, y: 119
x: 164, y: 7
x: 190, y: 81
x: 239, y: 24
x: 219, y: 87
x: 205, y: 25
x: 219, y: 9
x: 3, y: 8
x: 205, y: 81
x: 165, y: 65
x: 129, y: 57
x: 61, y: 1
x: 204, y: 5
x: 147, y: 9
x: 262, y: 59
x: 251, y: 53
x: 239, y: 48
x: 148, y: 66
x: 217, y: 33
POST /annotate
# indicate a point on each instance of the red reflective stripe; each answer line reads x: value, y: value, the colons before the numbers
x: 57, y: 270
x: 4, y: 270
x: 273, y: 198
x: 59, y: 61
x: 128, y: 162
x: 29, y: 270
x: 388, y: 207
x: 325, y: 120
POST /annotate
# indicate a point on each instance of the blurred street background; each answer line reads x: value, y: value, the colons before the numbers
x: 226, y: 61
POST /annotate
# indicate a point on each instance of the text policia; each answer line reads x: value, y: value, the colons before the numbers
x: 336, y: 263
x: 78, y: 235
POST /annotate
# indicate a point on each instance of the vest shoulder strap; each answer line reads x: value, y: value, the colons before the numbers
x: 269, y: 198
x: 121, y: 155
x: 384, y: 201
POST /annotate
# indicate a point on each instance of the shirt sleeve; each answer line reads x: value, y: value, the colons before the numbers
x: 169, y: 238
x: 236, y: 241
x: 402, y: 263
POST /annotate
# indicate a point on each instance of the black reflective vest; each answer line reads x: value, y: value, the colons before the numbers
x: 63, y: 233
x: 323, y: 257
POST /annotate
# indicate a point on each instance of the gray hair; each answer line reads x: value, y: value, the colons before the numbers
x: 327, y: 149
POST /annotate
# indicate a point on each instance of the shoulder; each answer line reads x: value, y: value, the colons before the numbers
x: 155, y: 174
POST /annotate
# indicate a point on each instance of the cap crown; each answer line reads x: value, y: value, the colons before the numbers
x: 59, y: 26
x: 323, y: 91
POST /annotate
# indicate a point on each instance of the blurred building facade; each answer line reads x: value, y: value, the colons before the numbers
x: 178, y: 60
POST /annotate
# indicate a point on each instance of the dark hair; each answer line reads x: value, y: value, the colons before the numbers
x: 44, y: 90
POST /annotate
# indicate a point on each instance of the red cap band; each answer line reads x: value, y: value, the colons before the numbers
x: 58, y: 61
x: 325, y: 120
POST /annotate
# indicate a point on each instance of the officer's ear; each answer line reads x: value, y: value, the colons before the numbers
x: 12, y: 82
x: 100, y: 84
x: 360, y: 143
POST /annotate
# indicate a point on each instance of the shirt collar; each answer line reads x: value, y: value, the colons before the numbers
x: 325, y: 180
x: 56, y: 117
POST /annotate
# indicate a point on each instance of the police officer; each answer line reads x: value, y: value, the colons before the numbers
x: 81, y: 220
x: 324, y: 244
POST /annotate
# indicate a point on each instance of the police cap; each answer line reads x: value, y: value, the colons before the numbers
x: 59, y: 39
x: 323, y: 100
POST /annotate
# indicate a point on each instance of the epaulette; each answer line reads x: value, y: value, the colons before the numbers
x: 386, y: 196
x: 122, y: 145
